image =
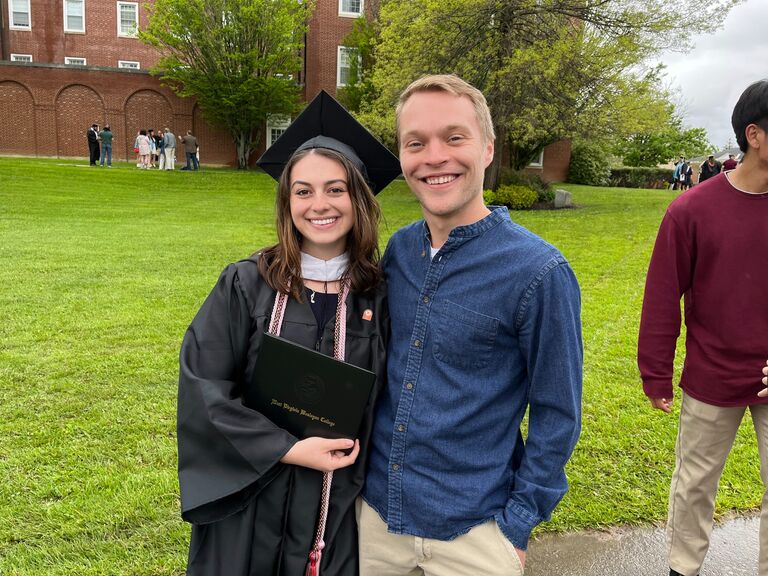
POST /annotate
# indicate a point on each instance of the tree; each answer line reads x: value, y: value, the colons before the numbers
x: 550, y: 69
x: 237, y: 57
x: 668, y: 141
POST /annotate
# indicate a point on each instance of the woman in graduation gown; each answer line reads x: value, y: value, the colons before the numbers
x: 251, y: 490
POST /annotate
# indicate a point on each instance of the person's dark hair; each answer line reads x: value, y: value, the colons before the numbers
x: 143, y: 132
x: 752, y: 108
x: 280, y: 265
x: 106, y: 127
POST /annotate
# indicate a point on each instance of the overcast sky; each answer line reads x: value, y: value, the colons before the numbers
x: 711, y: 77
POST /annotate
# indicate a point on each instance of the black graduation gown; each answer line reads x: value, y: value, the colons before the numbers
x: 250, y: 514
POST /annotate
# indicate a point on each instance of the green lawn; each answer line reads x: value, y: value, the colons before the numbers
x: 102, y: 271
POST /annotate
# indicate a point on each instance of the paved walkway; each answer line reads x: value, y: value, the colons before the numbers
x: 641, y: 552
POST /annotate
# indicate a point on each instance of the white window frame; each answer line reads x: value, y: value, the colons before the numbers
x: 120, y: 32
x: 66, y: 19
x: 339, y: 51
x: 347, y: 14
x: 128, y: 64
x: 539, y: 161
x: 10, y: 17
x: 276, y: 122
x: 21, y: 58
x: 68, y: 61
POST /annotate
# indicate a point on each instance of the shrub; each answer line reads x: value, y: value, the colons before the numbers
x: 589, y: 165
x: 655, y: 178
x: 509, y: 176
x: 516, y: 197
x: 489, y: 197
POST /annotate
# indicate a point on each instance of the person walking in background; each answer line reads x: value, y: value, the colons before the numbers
x: 676, y: 173
x: 729, y: 164
x: 93, y: 143
x: 152, y: 147
x: 169, y: 144
x: 105, y: 136
x: 711, y: 250
x: 190, y: 151
x: 449, y: 470
x: 144, y: 149
x: 686, y: 176
x: 710, y: 167
x: 160, y: 149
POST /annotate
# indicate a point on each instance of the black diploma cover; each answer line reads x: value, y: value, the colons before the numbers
x: 308, y: 393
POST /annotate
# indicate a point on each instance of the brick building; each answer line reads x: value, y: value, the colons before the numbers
x: 65, y: 64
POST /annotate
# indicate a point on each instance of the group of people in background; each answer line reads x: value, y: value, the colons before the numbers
x: 152, y: 149
x: 682, y: 176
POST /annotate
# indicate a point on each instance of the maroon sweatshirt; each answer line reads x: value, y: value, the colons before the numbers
x: 712, y: 249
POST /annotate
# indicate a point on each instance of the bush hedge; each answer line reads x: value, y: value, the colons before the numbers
x: 589, y: 165
x: 511, y: 177
x: 654, y: 178
x: 513, y: 197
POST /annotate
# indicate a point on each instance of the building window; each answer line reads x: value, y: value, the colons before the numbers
x: 352, y: 8
x: 538, y: 161
x: 21, y: 57
x: 74, y: 15
x: 343, y: 63
x: 127, y: 19
x: 131, y: 65
x: 18, y: 13
x: 74, y: 61
x: 276, y: 125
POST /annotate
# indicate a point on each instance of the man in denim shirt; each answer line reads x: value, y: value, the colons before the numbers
x: 485, y: 325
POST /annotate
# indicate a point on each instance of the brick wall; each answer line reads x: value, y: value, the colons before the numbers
x: 100, y: 45
x: 327, y: 31
x: 47, y: 109
x: 557, y: 160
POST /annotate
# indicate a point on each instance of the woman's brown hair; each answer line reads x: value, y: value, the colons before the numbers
x: 280, y: 265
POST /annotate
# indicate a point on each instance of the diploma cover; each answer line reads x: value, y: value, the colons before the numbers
x: 308, y: 393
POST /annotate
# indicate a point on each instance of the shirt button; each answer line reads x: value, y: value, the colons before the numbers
x: 417, y: 343
x: 400, y: 428
x: 395, y: 467
x: 425, y: 299
x: 409, y: 385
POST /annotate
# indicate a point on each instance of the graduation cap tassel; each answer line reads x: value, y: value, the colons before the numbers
x: 340, y: 339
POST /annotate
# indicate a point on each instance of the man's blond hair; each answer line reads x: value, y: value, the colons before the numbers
x: 454, y: 85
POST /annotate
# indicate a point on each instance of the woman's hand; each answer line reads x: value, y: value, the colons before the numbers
x: 323, y: 454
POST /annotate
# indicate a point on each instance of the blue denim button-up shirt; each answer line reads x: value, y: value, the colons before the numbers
x: 484, y: 330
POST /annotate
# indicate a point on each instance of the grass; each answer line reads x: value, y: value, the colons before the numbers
x: 102, y: 271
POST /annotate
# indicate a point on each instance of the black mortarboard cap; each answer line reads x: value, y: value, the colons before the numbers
x: 324, y: 123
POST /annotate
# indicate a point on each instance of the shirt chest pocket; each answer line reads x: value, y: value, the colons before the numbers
x: 463, y: 338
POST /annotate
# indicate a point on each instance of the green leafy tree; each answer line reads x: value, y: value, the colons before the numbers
x: 665, y: 142
x: 363, y: 38
x: 237, y: 57
x: 550, y: 69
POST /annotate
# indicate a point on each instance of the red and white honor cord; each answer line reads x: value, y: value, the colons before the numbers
x: 340, y: 338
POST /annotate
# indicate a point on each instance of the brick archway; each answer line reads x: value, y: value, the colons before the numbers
x: 77, y: 107
x: 145, y: 109
x: 17, y: 129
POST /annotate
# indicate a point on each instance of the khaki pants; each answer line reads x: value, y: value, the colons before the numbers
x: 483, y: 550
x: 705, y: 437
x: 170, y: 158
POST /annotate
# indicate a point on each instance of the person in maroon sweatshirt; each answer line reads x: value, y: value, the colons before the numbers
x: 712, y: 251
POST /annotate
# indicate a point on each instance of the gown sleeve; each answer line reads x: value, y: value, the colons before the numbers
x: 227, y: 451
